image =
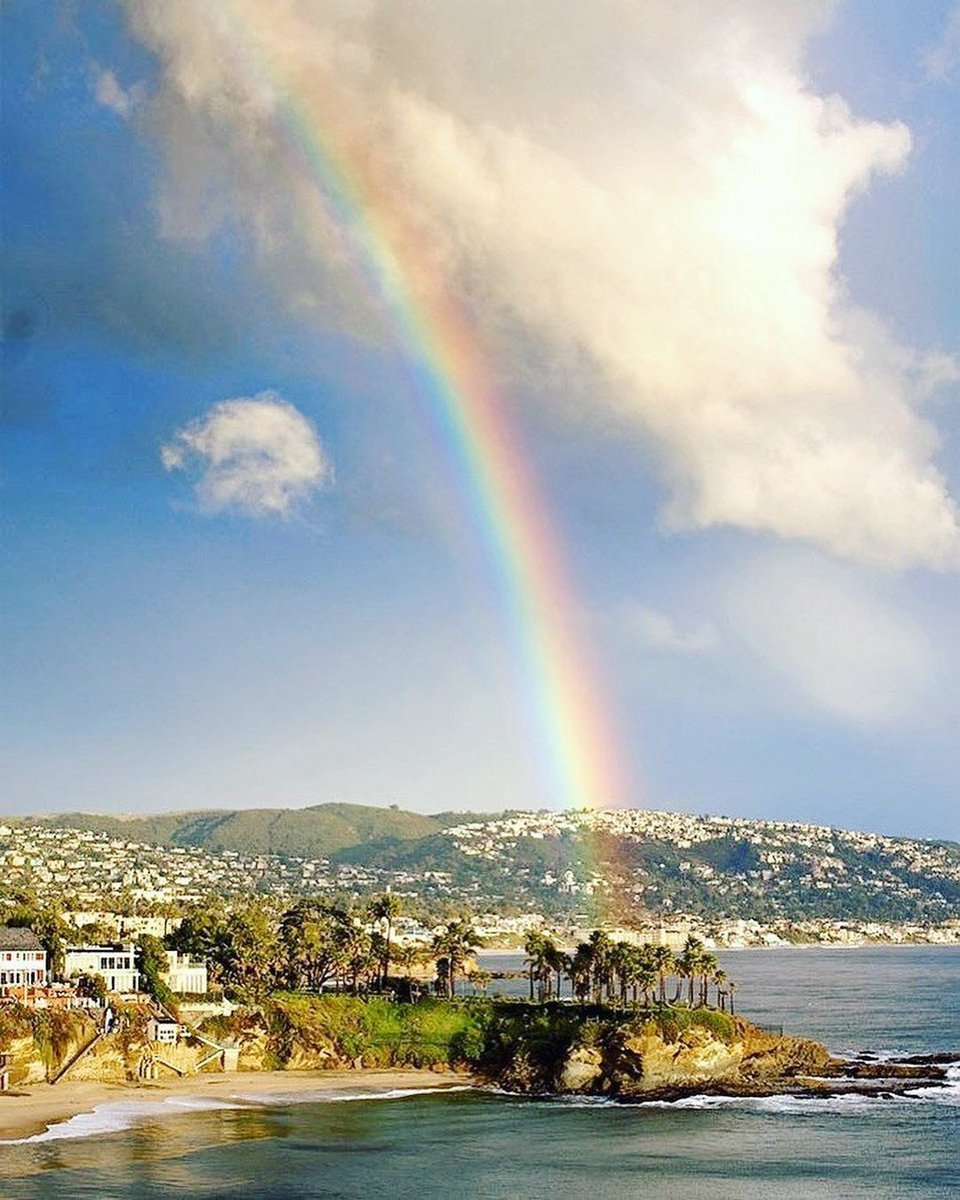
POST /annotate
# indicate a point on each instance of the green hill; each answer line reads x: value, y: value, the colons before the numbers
x: 295, y: 832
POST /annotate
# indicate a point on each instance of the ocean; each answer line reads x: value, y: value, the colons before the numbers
x: 884, y: 1001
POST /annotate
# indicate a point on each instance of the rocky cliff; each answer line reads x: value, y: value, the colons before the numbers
x: 675, y: 1052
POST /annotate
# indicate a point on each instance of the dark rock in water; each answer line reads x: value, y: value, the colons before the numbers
x: 944, y: 1056
x: 888, y: 1070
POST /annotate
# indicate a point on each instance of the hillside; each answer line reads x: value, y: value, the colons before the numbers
x: 633, y: 860
x: 314, y: 832
x: 583, y: 865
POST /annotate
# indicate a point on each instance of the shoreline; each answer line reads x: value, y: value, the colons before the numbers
x: 33, y: 1109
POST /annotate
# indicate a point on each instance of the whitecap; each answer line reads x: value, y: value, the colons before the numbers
x: 947, y: 1093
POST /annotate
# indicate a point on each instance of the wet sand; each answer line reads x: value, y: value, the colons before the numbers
x: 30, y: 1110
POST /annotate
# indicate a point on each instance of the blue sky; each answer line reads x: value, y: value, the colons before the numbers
x: 721, y: 304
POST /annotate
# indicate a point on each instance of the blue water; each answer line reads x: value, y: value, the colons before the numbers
x: 474, y: 1144
x: 879, y: 998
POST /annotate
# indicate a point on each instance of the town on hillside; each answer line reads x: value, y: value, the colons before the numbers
x: 658, y: 876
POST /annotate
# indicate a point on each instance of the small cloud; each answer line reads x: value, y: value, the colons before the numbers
x: 657, y: 631
x: 259, y: 456
x: 109, y: 93
x: 942, y: 61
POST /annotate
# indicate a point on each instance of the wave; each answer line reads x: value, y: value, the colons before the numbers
x: 327, y: 1096
x: 948, y: 1093
x: 119, y: 1115
x: 124, y: 1114
x: 846, y: 1104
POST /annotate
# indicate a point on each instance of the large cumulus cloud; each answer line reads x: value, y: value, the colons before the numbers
x: 653, y: 184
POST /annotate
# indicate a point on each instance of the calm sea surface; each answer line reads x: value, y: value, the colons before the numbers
x: 479, y: 1144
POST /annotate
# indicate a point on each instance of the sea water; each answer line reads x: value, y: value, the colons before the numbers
x: 883, y: 1001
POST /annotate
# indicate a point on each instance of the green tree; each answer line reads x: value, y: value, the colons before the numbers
x: 250, y: 950
x: 662, y: 959
x: 536, y: 948
x: 94, y: 987
x: 581, y: 971
x: 386, y: 909
x: 152, y: 964
x: 455, y: 944
x: 601, y: 947
x: 315, y: 942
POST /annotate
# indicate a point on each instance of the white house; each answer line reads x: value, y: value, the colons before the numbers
x: 185, y: 975
x: 23, y: 961
x: 117, y: 964
x: 163, y: 1029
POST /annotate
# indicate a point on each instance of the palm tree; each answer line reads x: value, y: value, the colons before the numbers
x: 662, y: 959
x: 535, y: 947
x: 558, y: 962
x: 623, y: 963
x: 719, y: 979
x: 687, y: 966
x: 581, y: 971
x: 385, y: 908
x: 407, y: 957
x: 455, y: 943
x: 708, y: 965
x: 600, y: 946
x: 648, y: 972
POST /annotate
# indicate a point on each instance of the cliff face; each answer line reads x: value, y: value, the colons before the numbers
x: 672, y: 1054
x: 524, y: 1048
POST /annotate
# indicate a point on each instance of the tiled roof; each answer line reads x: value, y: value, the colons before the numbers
x: 14, y: 938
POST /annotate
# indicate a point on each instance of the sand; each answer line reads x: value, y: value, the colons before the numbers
x: 26, y: 1111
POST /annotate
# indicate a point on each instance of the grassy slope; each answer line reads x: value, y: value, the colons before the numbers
x: 304, y: 832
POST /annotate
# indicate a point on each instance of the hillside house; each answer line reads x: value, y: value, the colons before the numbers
x: 117, y: 964
x: 185, y: 975
x: 23, y: 960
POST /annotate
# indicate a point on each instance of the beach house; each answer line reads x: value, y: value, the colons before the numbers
x: 185, y: 975
x: 117, y: 964
x: 23, y: 960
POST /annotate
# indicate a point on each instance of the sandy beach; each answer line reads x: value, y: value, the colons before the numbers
x: 30, y: 1110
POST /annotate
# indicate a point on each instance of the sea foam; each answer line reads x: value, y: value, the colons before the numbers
x: 119, y: 1115
x: 124, y: 1114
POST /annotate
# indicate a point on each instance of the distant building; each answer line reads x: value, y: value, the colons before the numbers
x: 23, y: 960
x: 117, y: 964
x: 185, y: 975
x: 157, y: 927
x: 163, y: 1029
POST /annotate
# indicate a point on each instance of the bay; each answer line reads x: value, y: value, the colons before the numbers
x: 878, y: 1000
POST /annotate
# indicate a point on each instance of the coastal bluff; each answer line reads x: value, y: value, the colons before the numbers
x: 666, y: 1055
x: 631, y: 1055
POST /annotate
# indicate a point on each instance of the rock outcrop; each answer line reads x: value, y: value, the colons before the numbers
x: 674, y: 1052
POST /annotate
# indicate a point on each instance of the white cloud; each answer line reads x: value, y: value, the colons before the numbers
x: 824, y: 638
x: 259, y: 456
x: 658, y: 631
x: 942, y: 61
x: 109, y: 93
x: 653, y: 186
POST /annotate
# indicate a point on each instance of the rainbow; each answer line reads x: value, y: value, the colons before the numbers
x: 578, y: 749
